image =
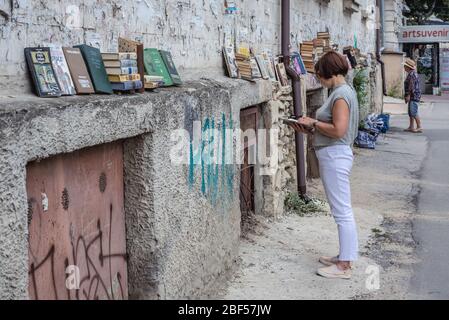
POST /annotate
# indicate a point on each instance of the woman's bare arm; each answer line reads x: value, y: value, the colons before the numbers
x: 340, y: 121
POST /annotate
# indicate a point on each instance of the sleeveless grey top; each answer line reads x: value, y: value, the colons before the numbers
x: 324, y: 113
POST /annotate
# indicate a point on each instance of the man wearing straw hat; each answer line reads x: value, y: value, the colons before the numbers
x: 412, y: 95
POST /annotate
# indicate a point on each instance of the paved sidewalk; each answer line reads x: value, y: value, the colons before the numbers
x: 394, y: 106
x: 431, y: 223
x: 431, y: 98
x: 399, y: 107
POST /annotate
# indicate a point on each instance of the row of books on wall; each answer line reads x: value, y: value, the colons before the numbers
x: 83, y: 69
x: 245, y: 64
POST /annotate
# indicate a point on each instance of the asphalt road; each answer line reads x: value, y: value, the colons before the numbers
x: 430, y: 279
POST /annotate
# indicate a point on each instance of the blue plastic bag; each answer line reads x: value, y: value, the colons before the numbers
x: 365, y: 140
x: 372, y: 124
x: 386, y: 122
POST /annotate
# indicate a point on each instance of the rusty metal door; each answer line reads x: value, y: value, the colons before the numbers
x: 248, y: 120
x: 77, y: 244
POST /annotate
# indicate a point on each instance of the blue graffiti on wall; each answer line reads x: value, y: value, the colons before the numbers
x: 210, y: 158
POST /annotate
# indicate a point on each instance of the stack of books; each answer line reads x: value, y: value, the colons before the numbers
x: 325, y: 37
x: 319, y: 49
x: 322, y: 44
x: 122, y: 70
x: 244, y: 49
x: 153, y: 82
x: 308, y: 55
x: 243, y: 62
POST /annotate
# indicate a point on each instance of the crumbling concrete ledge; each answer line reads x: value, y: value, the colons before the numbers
x: 178, y: 242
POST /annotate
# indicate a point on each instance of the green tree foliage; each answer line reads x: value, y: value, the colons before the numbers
x: 421, y: 10
x: 360, y: 84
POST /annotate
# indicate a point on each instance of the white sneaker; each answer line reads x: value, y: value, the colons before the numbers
x: 334, y: 272
x: 328, y: 261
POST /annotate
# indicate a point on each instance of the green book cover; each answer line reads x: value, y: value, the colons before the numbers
x: 168, y: 60
x: 155, y: 66
x: 94, y: 62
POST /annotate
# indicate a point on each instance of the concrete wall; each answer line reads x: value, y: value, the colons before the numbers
x: 394, y: 73
x: 376, y: 88
x: 271, y: 189
x: 393, y: 20
x: 179, y: 236
x: 193, y: 30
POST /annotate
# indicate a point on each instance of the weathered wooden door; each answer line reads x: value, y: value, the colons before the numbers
x: 248, y: 120
x: 77, y: 244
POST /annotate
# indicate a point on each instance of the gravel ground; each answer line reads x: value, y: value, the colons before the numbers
x: 278, y: 258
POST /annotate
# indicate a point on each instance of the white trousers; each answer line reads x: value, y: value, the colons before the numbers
x: 335, y: 168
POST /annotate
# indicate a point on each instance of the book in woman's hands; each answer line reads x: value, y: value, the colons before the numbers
x: 293, y: 120
x: 289, y: 121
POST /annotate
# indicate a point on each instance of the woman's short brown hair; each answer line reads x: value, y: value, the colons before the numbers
x: 332, y: 64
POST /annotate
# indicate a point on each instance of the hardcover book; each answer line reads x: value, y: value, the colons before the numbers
x: 123, y: 77
x: 119, y: 56
x: 269, y: 65
x: 95, y: 66
x: 297, y: 64
x: 244, y: 50
x: 231, y: 66
x: 151, y: 85
x: 123, y: 71
x: 153, y: 78
x: 127, y: 45
x: 127, y: 85
x: 124, y: 63
x: 78, y: 71
x: 255, y: 72
x: 155, y: 66
x: 42, y: 72
x: 262, y: 66
x: 283, y: 78
x: 62, y: 71
x: 301, y: 64
x: 171, y: 68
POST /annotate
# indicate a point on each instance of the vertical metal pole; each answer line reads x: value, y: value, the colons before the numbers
x: 381, y: 5
x: 379, y: 37
x: 285, y: 25
x: 296, y: 86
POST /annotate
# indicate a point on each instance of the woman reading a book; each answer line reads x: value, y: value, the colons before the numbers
x: 334, y: 131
